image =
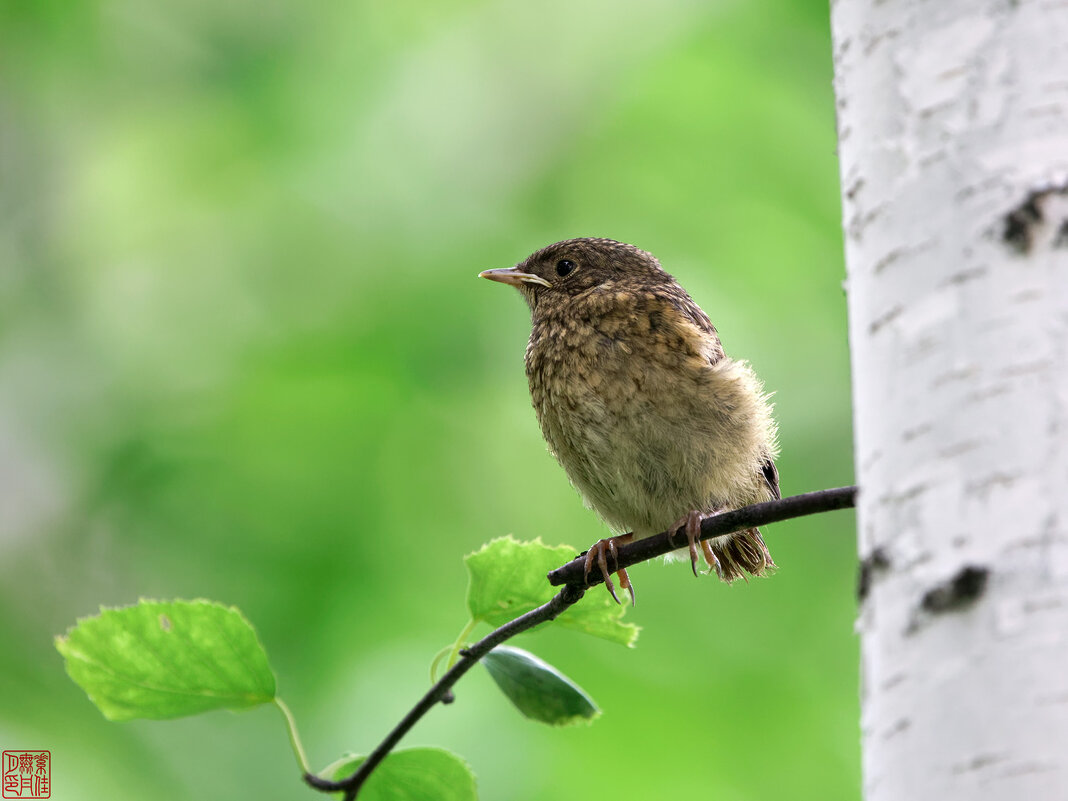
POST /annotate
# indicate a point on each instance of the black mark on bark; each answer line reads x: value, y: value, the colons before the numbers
x: 1020, y: 224
x: 875, y: 561
x: 957, y: 593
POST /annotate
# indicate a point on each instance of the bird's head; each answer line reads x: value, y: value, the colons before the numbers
x: 558, y: 273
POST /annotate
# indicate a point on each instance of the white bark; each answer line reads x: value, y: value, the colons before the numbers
x: 953, y: 130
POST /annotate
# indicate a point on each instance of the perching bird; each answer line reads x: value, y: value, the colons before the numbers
x: 654, y: 424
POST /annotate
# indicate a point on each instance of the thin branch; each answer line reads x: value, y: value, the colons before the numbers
x: 759, y: 514
x: 571, y: 576
x: 469, y: 657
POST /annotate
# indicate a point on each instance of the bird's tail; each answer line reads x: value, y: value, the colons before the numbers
x: 740, y: 553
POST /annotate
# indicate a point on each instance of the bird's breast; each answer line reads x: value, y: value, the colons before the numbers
x: 628, y: 418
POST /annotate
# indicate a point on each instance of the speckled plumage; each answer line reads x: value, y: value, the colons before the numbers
x: 636, y: 398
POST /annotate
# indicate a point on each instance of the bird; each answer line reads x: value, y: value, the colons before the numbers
x: 653, y: 423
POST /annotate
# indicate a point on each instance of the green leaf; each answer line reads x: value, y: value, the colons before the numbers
x: 537, y: 689
x: 601, y: 616
x: 507, y: 579
x: 413, y: 774
x: 167, y: 659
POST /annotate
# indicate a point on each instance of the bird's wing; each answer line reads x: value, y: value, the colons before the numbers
x: 771, y: 477
x: 689, y: 342
x: 675, y: 318
x: 682, y: 302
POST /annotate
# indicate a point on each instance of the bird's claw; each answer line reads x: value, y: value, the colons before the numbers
x: 692, y: 524
x: 711, y: 559
x: 597, y: 554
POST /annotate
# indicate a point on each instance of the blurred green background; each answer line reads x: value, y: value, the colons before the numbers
x: 244, y: 356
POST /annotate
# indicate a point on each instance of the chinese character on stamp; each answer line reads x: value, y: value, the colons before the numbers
x: 26, y: 774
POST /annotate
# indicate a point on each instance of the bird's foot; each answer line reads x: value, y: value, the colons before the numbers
x: 597, y: 554
x: 711, y: 559
x: 692, y: 523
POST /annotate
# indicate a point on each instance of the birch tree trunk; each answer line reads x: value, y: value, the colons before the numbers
x: 953, y: 138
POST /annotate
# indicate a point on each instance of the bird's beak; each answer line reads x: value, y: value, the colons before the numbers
x: 513, y: 276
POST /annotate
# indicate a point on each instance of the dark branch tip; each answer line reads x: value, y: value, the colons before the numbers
x: 319, y: 783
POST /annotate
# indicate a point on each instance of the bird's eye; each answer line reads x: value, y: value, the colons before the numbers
x: 564, y: 266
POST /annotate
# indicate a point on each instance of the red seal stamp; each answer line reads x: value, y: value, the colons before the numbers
x: 26, y: 774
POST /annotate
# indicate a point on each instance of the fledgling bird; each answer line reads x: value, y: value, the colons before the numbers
x: 654, y: 424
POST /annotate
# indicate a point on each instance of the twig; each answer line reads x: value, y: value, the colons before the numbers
x: 571, y: 576
x: 469, y: 657
x: 759, y: 514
